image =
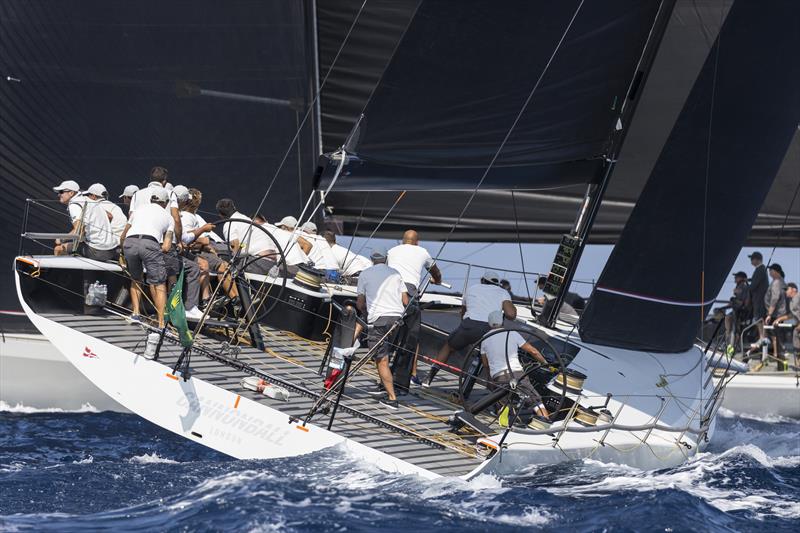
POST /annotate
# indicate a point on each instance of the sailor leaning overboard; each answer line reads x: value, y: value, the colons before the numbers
x: 350, y: 264
x: 116, y: 216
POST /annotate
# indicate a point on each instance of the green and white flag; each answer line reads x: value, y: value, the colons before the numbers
x: 176, y: 313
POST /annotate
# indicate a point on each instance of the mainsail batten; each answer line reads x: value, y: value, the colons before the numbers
x: 707, y: 187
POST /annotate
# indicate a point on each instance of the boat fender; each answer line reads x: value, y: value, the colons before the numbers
x: 269, y: 390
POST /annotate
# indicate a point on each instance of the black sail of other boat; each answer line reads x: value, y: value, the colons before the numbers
x: 707, y: 187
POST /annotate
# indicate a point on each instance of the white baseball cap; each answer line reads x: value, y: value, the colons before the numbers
x: 289, y: 222
x: 310, y: 227
x: 496, y: 319
x: 97, y: 189
x: 161, y: 194
x: 130, y: 190
x: 68, y: 185
x: 491, y: 276
x: 181, y: 192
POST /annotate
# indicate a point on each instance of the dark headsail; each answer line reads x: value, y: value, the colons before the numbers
x: 706, y: 189
x: 461, y: 74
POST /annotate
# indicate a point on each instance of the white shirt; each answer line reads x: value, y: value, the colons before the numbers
x: 497, y: 346
x: 118, y: 218
x: 97, y: 231
x: 253, y: 240
x: 188, y: 224
x: 481, y: 299
x: 151, y: 219
x: 142, y: 197
x: 350, y: 263
x: 409, y: 260
x: 288, y: 241
x: 383, y: 288
x: 321, y: 253
x: 210, y: 234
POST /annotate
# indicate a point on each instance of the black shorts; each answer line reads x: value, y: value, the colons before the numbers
x: 468, y: 332
x: 376, y: 332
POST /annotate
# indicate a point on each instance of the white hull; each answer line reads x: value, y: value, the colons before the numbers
x: 764, y: 394
x: 666, y: 389
x: 33, y: 373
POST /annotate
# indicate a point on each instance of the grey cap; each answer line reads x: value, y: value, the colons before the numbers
x: 288, y: 221
x: 496, y: 319
x: 181, y: 192
x: 310, y: 227
x: 378, y: 254
x: 491, y: 276
x: 161, y: 194
x: 130, y: 190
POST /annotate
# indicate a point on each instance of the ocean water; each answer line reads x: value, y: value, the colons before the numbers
x: 87, y: 471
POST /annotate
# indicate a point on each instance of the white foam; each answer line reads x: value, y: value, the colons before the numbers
x: 151, y: 458
x: 85, y: 461
x: 24, y: 409
x: 769, y: 419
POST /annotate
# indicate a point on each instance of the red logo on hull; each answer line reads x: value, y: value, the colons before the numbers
x: 87, y: 352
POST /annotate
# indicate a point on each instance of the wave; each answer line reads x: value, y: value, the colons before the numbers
x: 151, y: 458
x: 24, y: 409
x: 769, y: 419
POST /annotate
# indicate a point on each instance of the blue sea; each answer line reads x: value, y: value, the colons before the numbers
x: 90, y: 471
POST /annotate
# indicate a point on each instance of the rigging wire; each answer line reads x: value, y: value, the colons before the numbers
x: 510, y: 130
x: 519, y: 243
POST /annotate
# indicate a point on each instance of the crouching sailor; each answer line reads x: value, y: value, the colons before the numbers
x: 382, y: 296
x: 501, y: 354
x: 145, y: 241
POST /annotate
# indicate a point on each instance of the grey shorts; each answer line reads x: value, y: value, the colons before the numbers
x: 523, y: 385
x: 261, y: 265
x: 376, y: 332
x: 468, y: 332
x: 145, y: 254
x: 213, y: 260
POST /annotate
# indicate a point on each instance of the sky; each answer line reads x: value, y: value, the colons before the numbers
x: 505, y: 259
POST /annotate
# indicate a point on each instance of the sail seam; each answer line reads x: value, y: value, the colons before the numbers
x: 653, y: 299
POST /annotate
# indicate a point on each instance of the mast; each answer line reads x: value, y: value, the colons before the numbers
x: 572, y: 244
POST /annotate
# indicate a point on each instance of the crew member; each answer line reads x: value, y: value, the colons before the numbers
x: 158, y: 179
x: 501, y: 356
x: 247, y: 238
x: 127, y: 194
x: 793, y: 295
x: 294, y: 246
x: 409, y: 258
x: 116, y: 216
x: 89, y: 223
x: 478, y: 302
x: 758, y: 289
x: 145, y: 241
x: 740, y: 307
x: 320, y: 253
x: 349, y: 262
x: 382, y: 298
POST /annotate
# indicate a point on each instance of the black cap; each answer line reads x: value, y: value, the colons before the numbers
x: 791, y: 285
x: 777, y: 268
x: 757, y: 255
x: 739, y: 274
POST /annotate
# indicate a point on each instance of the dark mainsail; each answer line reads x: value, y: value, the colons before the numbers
x: 546, y: 213
x: 463, y: 71
x: 706, y: 188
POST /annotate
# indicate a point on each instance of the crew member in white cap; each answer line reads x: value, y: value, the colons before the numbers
x: 116, y: 217
x: 158, y: 177
x: 145, y: 241
x: 478, y: 302
x: 294, y: 248
x: 127, y: 194
x: 500, y: 353
x: 89, y: 221
x: 320, y: 254
x: 382, y: 299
